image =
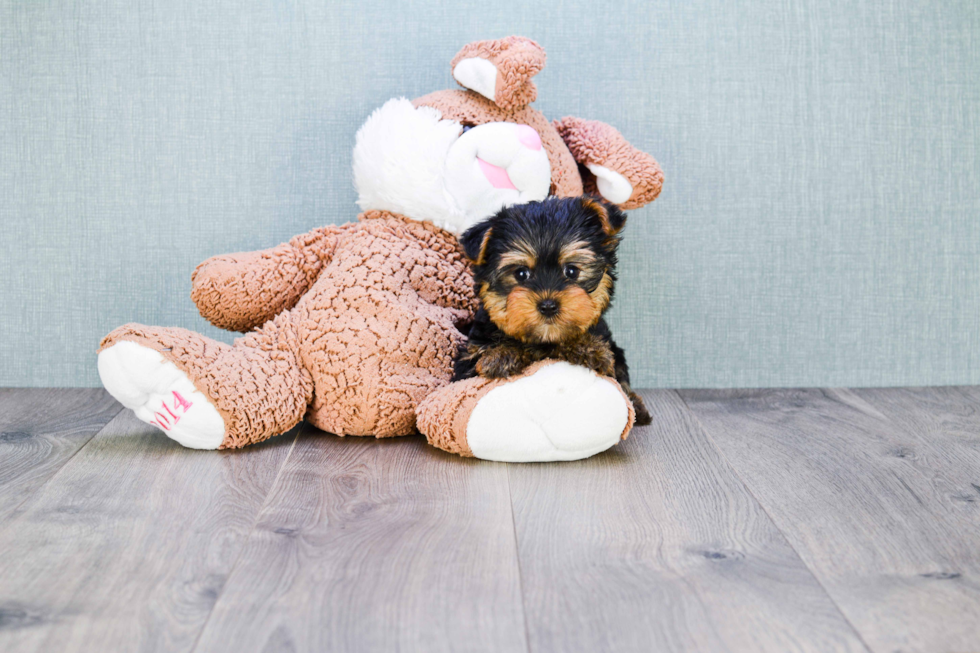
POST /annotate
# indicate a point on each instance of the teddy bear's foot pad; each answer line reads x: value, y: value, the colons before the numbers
x: 561, y: 412
x: 141, y: 379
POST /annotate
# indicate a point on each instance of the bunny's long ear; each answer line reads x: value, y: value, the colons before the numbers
x: 501, y: 70
x: 619, y: 172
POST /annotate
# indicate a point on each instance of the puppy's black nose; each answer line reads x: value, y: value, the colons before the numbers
x: 548, y: 307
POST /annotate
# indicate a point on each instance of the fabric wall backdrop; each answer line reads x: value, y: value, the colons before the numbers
x: 820, y: 222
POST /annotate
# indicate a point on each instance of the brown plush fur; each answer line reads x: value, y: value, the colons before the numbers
x: 595, y: 142
x: 517, y: 60
x: 354, y: 326
x: 472, y: 109
x: 360, y: 347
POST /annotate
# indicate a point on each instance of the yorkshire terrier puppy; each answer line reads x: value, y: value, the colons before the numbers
x: 545, y: 273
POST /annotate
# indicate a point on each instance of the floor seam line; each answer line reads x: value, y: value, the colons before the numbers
x: 517, y: 557
x: 16, y: 513
x: 248, y: 536
x: 775, y: 524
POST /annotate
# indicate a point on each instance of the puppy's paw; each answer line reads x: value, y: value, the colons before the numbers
x: 591, y: 352
x: 501, y: 361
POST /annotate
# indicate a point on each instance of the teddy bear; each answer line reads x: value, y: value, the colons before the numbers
x: 354, y: 327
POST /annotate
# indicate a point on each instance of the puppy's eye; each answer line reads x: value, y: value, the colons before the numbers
x: 571, y: 272
x: 466, y: 128
x: 522, y: 274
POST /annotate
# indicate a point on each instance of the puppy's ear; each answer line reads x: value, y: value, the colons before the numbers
x: 610, y: 217
x: 475, y: 240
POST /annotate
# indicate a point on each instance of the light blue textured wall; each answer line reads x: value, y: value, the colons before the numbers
x: 820, y: 223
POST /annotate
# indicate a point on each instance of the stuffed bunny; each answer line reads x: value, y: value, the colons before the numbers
x: 354, y: 327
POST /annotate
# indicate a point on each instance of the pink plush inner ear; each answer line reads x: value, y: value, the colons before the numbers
x: 496, y: 175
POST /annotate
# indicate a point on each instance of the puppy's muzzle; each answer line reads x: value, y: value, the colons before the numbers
x: 548, y: 307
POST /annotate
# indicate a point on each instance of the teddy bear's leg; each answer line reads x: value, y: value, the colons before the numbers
x: 205, y: 394
x: 553, y: 411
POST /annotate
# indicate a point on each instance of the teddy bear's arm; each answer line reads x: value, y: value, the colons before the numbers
x: 241, y: 291
x: 615, y: 169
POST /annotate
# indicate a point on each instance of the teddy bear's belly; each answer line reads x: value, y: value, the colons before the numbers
x: 374, y: 355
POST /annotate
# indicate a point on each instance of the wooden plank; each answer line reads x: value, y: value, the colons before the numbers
x: 376, y: 545
x: 655, y: 545
x: 941, y: 428
x: 866, y: 497
x: 129, y: 545
x: 40, y: 429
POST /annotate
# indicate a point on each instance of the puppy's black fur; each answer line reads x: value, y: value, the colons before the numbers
x: 545, y: 273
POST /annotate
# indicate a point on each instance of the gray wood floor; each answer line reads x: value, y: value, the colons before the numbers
x: 761, y: 520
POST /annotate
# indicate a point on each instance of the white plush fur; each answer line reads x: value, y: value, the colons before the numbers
x: 399, y: 163
x: 561, y: 412
x: 412, y: 162
x: 499, y: 144
x: 142, y: 380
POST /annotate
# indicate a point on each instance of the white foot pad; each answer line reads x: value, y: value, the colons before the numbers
x: 141, y: 379
x: 561, y: 412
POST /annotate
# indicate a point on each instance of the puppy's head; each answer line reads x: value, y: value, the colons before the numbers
x: 545, y: 271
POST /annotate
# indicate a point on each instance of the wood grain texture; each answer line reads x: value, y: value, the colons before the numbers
x: 657, y: 546
x: 783, y: 520
x: 941, y: 427
x: 873, y: 489
x: 40, y: 429
x: 129, y: 545
x: 376, y: 545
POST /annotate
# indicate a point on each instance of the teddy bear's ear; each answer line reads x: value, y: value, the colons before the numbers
x: 501, y: 70
x: 617, y: 171
x: 475, y: 240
